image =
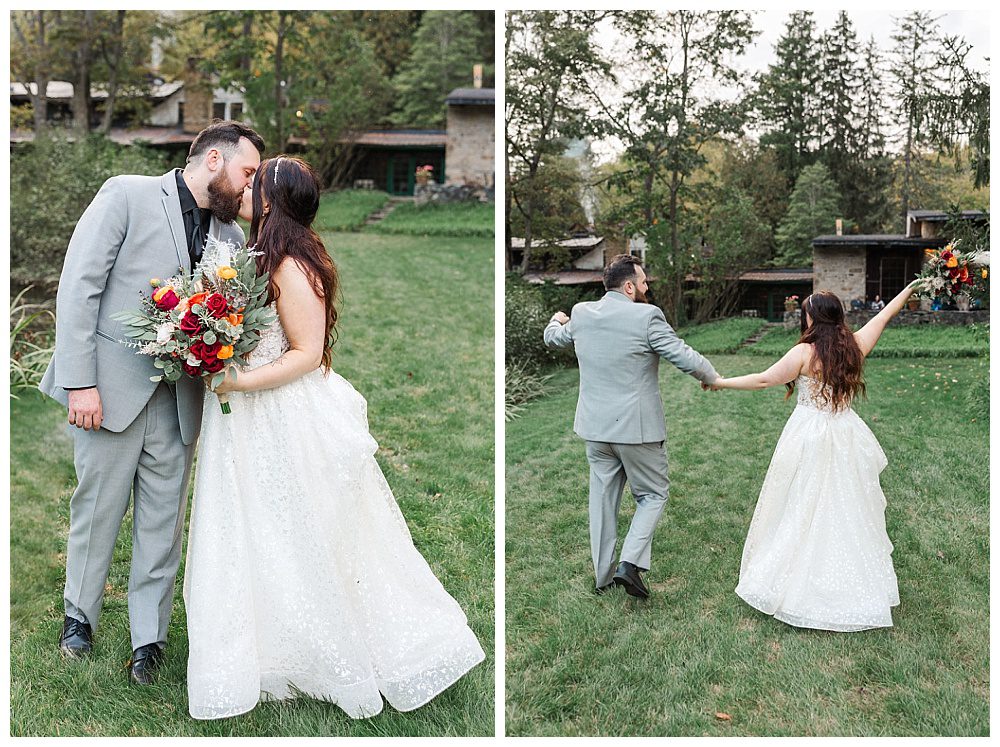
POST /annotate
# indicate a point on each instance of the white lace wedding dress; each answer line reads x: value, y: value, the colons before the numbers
x: 301, y: 576
x: 817, y: 554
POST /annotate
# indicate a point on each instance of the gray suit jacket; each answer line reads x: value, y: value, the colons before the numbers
x: 619, y: 344
x: 131, y: 232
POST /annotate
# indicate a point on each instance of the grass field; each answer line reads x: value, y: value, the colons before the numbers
x: 346, y: 209
x: 581, y: 664
x: 724, y: 336
x: 926, y: 341
x: 424, y: 362
x: 446, y: 219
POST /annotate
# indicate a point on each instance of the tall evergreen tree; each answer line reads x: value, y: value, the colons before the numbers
x: 786, y: 95
x: 445, y: 48
x: 813, y: 210
x: 915, y: 72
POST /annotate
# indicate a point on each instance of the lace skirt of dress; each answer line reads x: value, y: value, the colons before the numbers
x: 817, y: 554
x: 301, y: 576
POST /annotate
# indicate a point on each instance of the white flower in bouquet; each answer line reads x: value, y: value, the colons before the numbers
x: 164, y: 333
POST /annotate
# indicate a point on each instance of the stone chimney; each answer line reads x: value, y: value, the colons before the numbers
x: 197, y: 98
x: 477, y: 76
x: 840, y: 226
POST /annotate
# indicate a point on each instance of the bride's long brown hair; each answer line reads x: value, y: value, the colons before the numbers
x: 840, y: 360
x: 292, y: 191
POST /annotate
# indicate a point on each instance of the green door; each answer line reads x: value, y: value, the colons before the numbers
x: 400, y: 174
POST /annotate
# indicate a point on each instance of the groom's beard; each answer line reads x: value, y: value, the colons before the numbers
x: 224, y: 198
x: 640, y: 297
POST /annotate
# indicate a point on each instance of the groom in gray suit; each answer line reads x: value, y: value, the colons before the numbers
x: 133, y: 436
x: 619, y: 341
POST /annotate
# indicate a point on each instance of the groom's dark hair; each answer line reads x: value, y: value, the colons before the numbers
x: 225, y: 136
x: 620, y: 270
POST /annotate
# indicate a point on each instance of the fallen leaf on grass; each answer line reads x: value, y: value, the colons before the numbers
x: 723, y: 716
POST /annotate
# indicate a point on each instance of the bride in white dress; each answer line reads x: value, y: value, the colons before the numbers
x: 301, y: 576
x: 817, y: 554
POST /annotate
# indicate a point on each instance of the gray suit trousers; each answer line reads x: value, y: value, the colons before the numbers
x: 149, y: 461
x: 644, y: 466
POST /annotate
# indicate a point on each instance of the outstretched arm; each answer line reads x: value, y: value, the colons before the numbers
x: 782, y: 372
x: 303, y: 317
x: 868, y: 335
x: 559, y: 331
x: 668, y: 345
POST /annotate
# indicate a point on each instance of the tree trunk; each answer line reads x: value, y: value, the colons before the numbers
x: 81, y: 84
x: 279, y: 93
x: 114, y: 64
x: 907, y: 154
x: 40, y: 99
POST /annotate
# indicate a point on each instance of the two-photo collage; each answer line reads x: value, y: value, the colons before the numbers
x: 499, y: 373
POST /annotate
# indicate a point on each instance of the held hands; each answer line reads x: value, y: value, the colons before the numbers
x: 714, y: 386
x: 85, y: 409
x: 560, y: 317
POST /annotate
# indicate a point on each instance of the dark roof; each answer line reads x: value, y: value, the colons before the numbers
x: 399, y: 138
x: 567, y: 277
x: 793, y: 275
x: 940, y: 216
x: 472, y: 97
x: 579, y: 242
x: 125, y: 136
x: 878, y: 240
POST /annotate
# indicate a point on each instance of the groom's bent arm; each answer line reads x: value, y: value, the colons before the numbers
x: 668, y: 345
x: 91, y: 254
x: 558, y: 335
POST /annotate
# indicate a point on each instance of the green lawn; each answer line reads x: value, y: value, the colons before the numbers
x: 424, y: 360
x: 581, y: 664
x: 925, y: 341
x: 346, y: 209
x: 724, y: 336
x: 433, y: 219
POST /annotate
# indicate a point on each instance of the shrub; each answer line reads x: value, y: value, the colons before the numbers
x: 52, y: 181
x: 522, y: 383
x: 32, y: 341
x: 525, y: 315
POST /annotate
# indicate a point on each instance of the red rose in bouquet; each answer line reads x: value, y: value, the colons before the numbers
x: 166, y: 299
x: 204, y: 352
x: 192, y: 371
x: 190, y: 323
x: 213, y: 365
x: 217, y: 305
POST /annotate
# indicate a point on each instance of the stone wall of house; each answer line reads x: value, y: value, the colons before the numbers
x: 841, y: 270
x: 197, y: 99
x: 469, y: 155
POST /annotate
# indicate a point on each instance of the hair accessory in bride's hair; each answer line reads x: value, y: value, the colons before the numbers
x: 276, y: 165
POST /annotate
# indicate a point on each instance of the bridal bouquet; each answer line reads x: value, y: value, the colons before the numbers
x: 949, y: 272
x: 198, y: 324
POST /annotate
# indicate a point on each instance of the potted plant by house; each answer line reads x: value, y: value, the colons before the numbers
x: 913, y: 304
x: 791, y: 303
x: 424, y: 173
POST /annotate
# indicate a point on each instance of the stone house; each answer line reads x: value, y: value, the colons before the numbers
x: 470, y: 153
x: 857, y: 267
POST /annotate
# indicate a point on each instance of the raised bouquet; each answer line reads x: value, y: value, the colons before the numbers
x: 198, y: 324
x: 949, y: 272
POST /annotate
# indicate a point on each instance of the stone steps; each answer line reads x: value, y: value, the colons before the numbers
x: 384, y: 211
x: 759, y: 334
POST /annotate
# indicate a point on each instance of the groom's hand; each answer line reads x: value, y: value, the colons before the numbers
x: 85, y: 408
x: 560, y: 317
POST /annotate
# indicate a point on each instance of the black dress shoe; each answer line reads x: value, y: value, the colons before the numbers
x: 628, y: 576
x: 145, y: 661
x: 76, y: 639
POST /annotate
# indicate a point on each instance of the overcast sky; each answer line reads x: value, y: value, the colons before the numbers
x: 972, y: 25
